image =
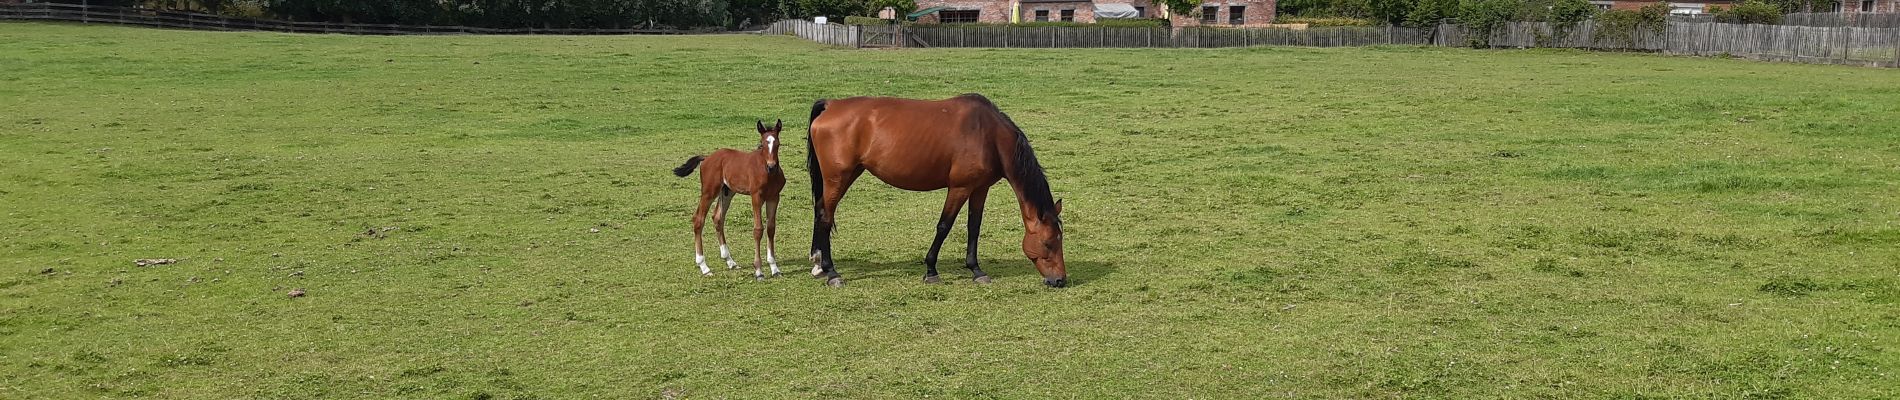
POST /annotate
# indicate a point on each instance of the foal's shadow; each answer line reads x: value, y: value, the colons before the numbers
x: 951, y: 270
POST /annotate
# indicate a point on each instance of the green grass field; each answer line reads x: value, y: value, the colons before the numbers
x: 1388, y: 222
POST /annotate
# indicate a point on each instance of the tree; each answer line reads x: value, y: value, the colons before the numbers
x: 1391, y: 12
x: 1182, y: 7
x: 1428, y: 13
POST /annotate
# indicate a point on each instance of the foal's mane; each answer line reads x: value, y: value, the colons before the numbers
x: 1027, y: 172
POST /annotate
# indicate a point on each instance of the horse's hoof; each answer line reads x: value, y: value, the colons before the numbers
x: 760, y: 278
x: 707, y: 273
x: 835, y: 282
x: 933, y: 279
x: 984, y: 280
x: 774, y: 275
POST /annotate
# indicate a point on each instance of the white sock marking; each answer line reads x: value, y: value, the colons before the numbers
x: 701, y: 260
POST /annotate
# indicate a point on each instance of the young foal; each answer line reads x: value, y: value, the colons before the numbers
x: 729, y: 171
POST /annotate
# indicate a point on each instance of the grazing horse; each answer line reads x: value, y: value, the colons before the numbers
x: 964, y: 144
x: 729, y: 171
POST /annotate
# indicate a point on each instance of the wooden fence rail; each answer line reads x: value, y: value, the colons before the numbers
x: 1122, y: 37
x: 201, y: 21
x: 1857, y: 20
x: 827, y: 33
x: 1877, y: 47
x: 1850, y: 45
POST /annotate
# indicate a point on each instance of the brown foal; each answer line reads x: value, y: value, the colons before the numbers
x: 729, y: 171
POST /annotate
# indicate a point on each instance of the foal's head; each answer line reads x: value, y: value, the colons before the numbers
x: 768, y: 143
x: 1042, y: 243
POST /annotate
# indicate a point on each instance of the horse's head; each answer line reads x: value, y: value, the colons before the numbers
x: 768, y: 143
x: 1042, y: 242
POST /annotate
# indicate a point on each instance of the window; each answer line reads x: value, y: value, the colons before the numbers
x: 1237, y: 15
x: 957, y: 16
x: 1141, y: 12
x: 1686, y: 8
x: 1209, y: 15
x: 1602, y: 5
x: 1866, y: 5
x: 1042, y: 15
x: 1068, y: 15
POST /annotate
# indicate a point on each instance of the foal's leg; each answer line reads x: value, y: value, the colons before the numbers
x: 951, y: 205
x: 699, y: 228
x: 977, y: 197
x: 758, y: 232
x: 719, y: 224
x: 771, y: 234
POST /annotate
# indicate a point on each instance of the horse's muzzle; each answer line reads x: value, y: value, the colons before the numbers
x: 771, y: 168
x: 1057, y: 282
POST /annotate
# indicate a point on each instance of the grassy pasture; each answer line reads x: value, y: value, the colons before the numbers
x: 1243, y: 223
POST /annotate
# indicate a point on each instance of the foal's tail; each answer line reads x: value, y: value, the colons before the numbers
x: 687, y: 169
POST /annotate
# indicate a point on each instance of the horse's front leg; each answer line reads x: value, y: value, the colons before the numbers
x: 771, y: 234
x: 951, y: 205
x: 758, y: 232
x: 977, y: 197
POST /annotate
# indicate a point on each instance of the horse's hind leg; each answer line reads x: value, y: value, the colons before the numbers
x: 951, y: 205
x: 699, y: 229
x: 719, y: 224
x: 977, y: 197
x: 827, y: 222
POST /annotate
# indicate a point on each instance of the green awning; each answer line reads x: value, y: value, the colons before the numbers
x: 923, y: 12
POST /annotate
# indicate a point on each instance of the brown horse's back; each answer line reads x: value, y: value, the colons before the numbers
x: 907, y: 143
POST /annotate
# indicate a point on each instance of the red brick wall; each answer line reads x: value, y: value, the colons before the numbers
x: 1259, y: 12
x: 989, y: 12
x: 1883, y: 6
x: 1084, y: 11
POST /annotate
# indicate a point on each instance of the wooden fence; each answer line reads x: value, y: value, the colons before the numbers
x: 1879, y: 47
x: 200, y: 21
x: 1857, y: 20
x: 1071, y: 37
x: 827, y: 33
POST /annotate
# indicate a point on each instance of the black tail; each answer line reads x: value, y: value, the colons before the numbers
x: 687, y: 169
x: 820, y: 234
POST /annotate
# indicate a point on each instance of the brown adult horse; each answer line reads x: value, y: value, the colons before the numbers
x: 729, y: 171
x: 963, y: 143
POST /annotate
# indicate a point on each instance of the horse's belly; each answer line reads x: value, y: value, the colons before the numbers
x: 912, y: 180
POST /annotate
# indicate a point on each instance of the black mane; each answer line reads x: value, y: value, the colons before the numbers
x: 1027, y: 173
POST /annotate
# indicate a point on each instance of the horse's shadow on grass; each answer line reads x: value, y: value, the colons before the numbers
x: 952, y: 271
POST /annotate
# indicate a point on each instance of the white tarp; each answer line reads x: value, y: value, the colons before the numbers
x: 1114, y: 10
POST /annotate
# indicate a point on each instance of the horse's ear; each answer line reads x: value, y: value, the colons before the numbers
x: 778, y: 126
x: 1058, y: 206
x: 761, y: 126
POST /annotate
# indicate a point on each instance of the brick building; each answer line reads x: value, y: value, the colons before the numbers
x: 1882, y: 6
x: 1213, y: 12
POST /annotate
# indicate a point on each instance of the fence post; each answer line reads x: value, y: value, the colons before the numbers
x: 857, y: 36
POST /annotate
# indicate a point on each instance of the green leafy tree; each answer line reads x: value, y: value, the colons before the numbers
x: 1428, y: 13
x: 1390, y: 12
x: 1482, y: 17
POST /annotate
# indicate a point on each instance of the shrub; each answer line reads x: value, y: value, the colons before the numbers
x: 857, y: 20
x: 1481, y: 17
x: 1750, y: 12
x: 1323, y: 22
x: 1622, y: 25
